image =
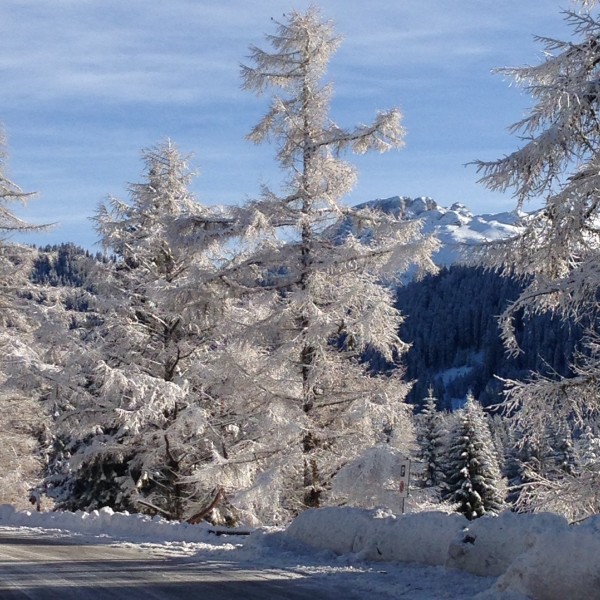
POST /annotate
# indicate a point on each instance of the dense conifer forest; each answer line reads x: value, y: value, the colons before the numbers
x: 451, y: 322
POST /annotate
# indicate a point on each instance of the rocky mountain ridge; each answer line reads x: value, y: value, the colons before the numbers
x: 456, y: 227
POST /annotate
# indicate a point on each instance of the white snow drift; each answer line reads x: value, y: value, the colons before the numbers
x: 537, y: 556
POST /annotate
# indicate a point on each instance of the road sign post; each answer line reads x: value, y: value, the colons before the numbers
x: 404, y: 481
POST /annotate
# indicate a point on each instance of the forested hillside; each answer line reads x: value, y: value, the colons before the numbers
x: 452, y: 324
x: 451, y: 321
x: 63, y: 264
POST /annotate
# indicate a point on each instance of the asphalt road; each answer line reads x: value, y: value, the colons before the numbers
x: 43, y: 567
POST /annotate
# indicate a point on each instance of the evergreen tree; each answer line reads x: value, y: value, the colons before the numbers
x: 473, y: 474
x: 63, y: 265
x: 531, y: 457
x: 564, y: 458
x: 430, y: 438
x: 566, y: 480
x: 588, y: 449
x: 549, y: 455
x: 137, y: 413
x: 323, y: 303
x: 573, y: 493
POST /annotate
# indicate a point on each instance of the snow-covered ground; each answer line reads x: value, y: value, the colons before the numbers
x: 420, y: 556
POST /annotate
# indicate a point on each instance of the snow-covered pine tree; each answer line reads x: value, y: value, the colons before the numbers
x: 531, y: 457
x: 135, y: 412
x: 567, y: 477
x: 574, y: 493
x: 588, y: 448
x: 503, y: 436
x: 431, y: 436
x: 564, y: 459
x: 322, y: 302
x: 558, y: 251
x: 473, y: 475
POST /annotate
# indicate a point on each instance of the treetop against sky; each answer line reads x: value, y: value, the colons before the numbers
x: 88, y: 85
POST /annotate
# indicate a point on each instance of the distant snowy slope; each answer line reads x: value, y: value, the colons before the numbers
x: 456, y: 227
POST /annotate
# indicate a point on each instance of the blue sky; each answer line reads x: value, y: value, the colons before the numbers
x: 87, y: 84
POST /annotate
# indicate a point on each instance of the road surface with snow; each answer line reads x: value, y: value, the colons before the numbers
x: 41, y: 564
x: 329, y: 553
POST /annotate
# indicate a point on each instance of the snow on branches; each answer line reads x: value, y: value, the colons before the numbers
x: 558, y: 163
x: 330, y: 305
x: 138, y: 412
x: 557, y: 253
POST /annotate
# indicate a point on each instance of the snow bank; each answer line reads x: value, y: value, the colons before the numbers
x: 420, y: 537
x: 345, y: 531
x: 490, y: 545
x: 562, y: 563
x: 106, y: 522
x: 536, y: 556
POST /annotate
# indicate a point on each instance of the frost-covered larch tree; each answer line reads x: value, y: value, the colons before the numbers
x: 473, y: 475
x: 10, y: 192
x: 14, y: 258
x: 558, y: 251
x: 134, y: 408
x: 431, y: 436
x: 21, y: 358
x: 322, y: 302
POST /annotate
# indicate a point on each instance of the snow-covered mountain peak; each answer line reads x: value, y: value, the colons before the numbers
x: 456, y: 227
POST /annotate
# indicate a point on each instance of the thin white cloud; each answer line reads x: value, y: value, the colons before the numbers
x: 88, y: 83
x: 156, y: 55
x: 185, y: 50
